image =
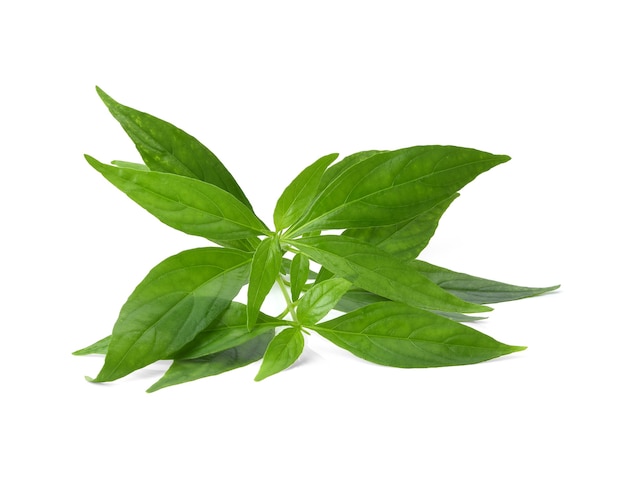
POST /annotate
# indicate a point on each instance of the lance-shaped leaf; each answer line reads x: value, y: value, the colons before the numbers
x: 265, y: 268
x: 467, y: 287
x: 229, y: 330
x: 166, y: 148
x: 397, y: 335
x: 356, y: 298
x: 321, y: 299
x: 374, y: 270
x: 405, y: 240
x: 299, y: 193
x: 178, y: 299
x: 182, y: 371
x: 186, y: 204
x: 281, y: 353
x: 298, y: 274
x: 392, y: 187
x: 476, y: 289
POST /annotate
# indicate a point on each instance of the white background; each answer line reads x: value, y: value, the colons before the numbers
x: 269, y: 87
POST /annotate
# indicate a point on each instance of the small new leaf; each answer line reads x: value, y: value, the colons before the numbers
x: 298, y: 275
x: 281, y: 353
x: 265, y: 268
x: 321, y: 299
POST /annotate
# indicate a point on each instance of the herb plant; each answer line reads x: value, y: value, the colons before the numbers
x: 394, y: 309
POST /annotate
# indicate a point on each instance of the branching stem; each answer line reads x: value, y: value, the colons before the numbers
x: 290, y: 305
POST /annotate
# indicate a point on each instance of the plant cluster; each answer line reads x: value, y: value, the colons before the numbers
x: 395, y: 309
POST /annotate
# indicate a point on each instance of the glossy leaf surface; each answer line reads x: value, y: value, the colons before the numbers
x: 381, y: 273
x: 299, y: 193
x: 265, y: 268
x: 178, y: 299
x: 393, y: 187
x: 397, y: 335
x: 321, y: 299
x: 401, y: 312
x: 405, y: 240
x: 282, y: 352
x: 182, y: 371
x: 229, y: 330
x: 183, y: 203
x: 476, y: 289
x: 166, y: 148
x: 298, y: 274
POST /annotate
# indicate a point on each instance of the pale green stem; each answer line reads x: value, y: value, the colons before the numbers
x: 290, y: 305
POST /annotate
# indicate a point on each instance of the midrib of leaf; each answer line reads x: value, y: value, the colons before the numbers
x: 243, y: 326
x: 186, y: 206
x: 156, y: 322
x: 388, y: 337
x: 151, y: 142
x: 304, y: 227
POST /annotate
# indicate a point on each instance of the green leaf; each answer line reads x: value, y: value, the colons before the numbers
x: 166, y: 148
x: 178, y: 299
x: 374, y: 270
x: 356, y: 298
x: 98, y: 348
x: 182, y: 371
x: 393, y: 187
x: 298, y: 274
x: 281, y: 353
x: 229, y: 330
x: 321, y: 299
x: 405, y: 240
x: 299, y: 193
x: 475, y: 289
x: 265, y: 268
x: 397, y: 335
x: 189, y: 205
x: 338, y: 168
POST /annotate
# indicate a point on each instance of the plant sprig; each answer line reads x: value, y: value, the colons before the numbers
x: 396, y: 310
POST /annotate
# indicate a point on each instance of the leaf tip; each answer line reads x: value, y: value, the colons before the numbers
x: 101, y: 93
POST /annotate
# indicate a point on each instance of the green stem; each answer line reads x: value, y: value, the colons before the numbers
x: 290, y: 305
